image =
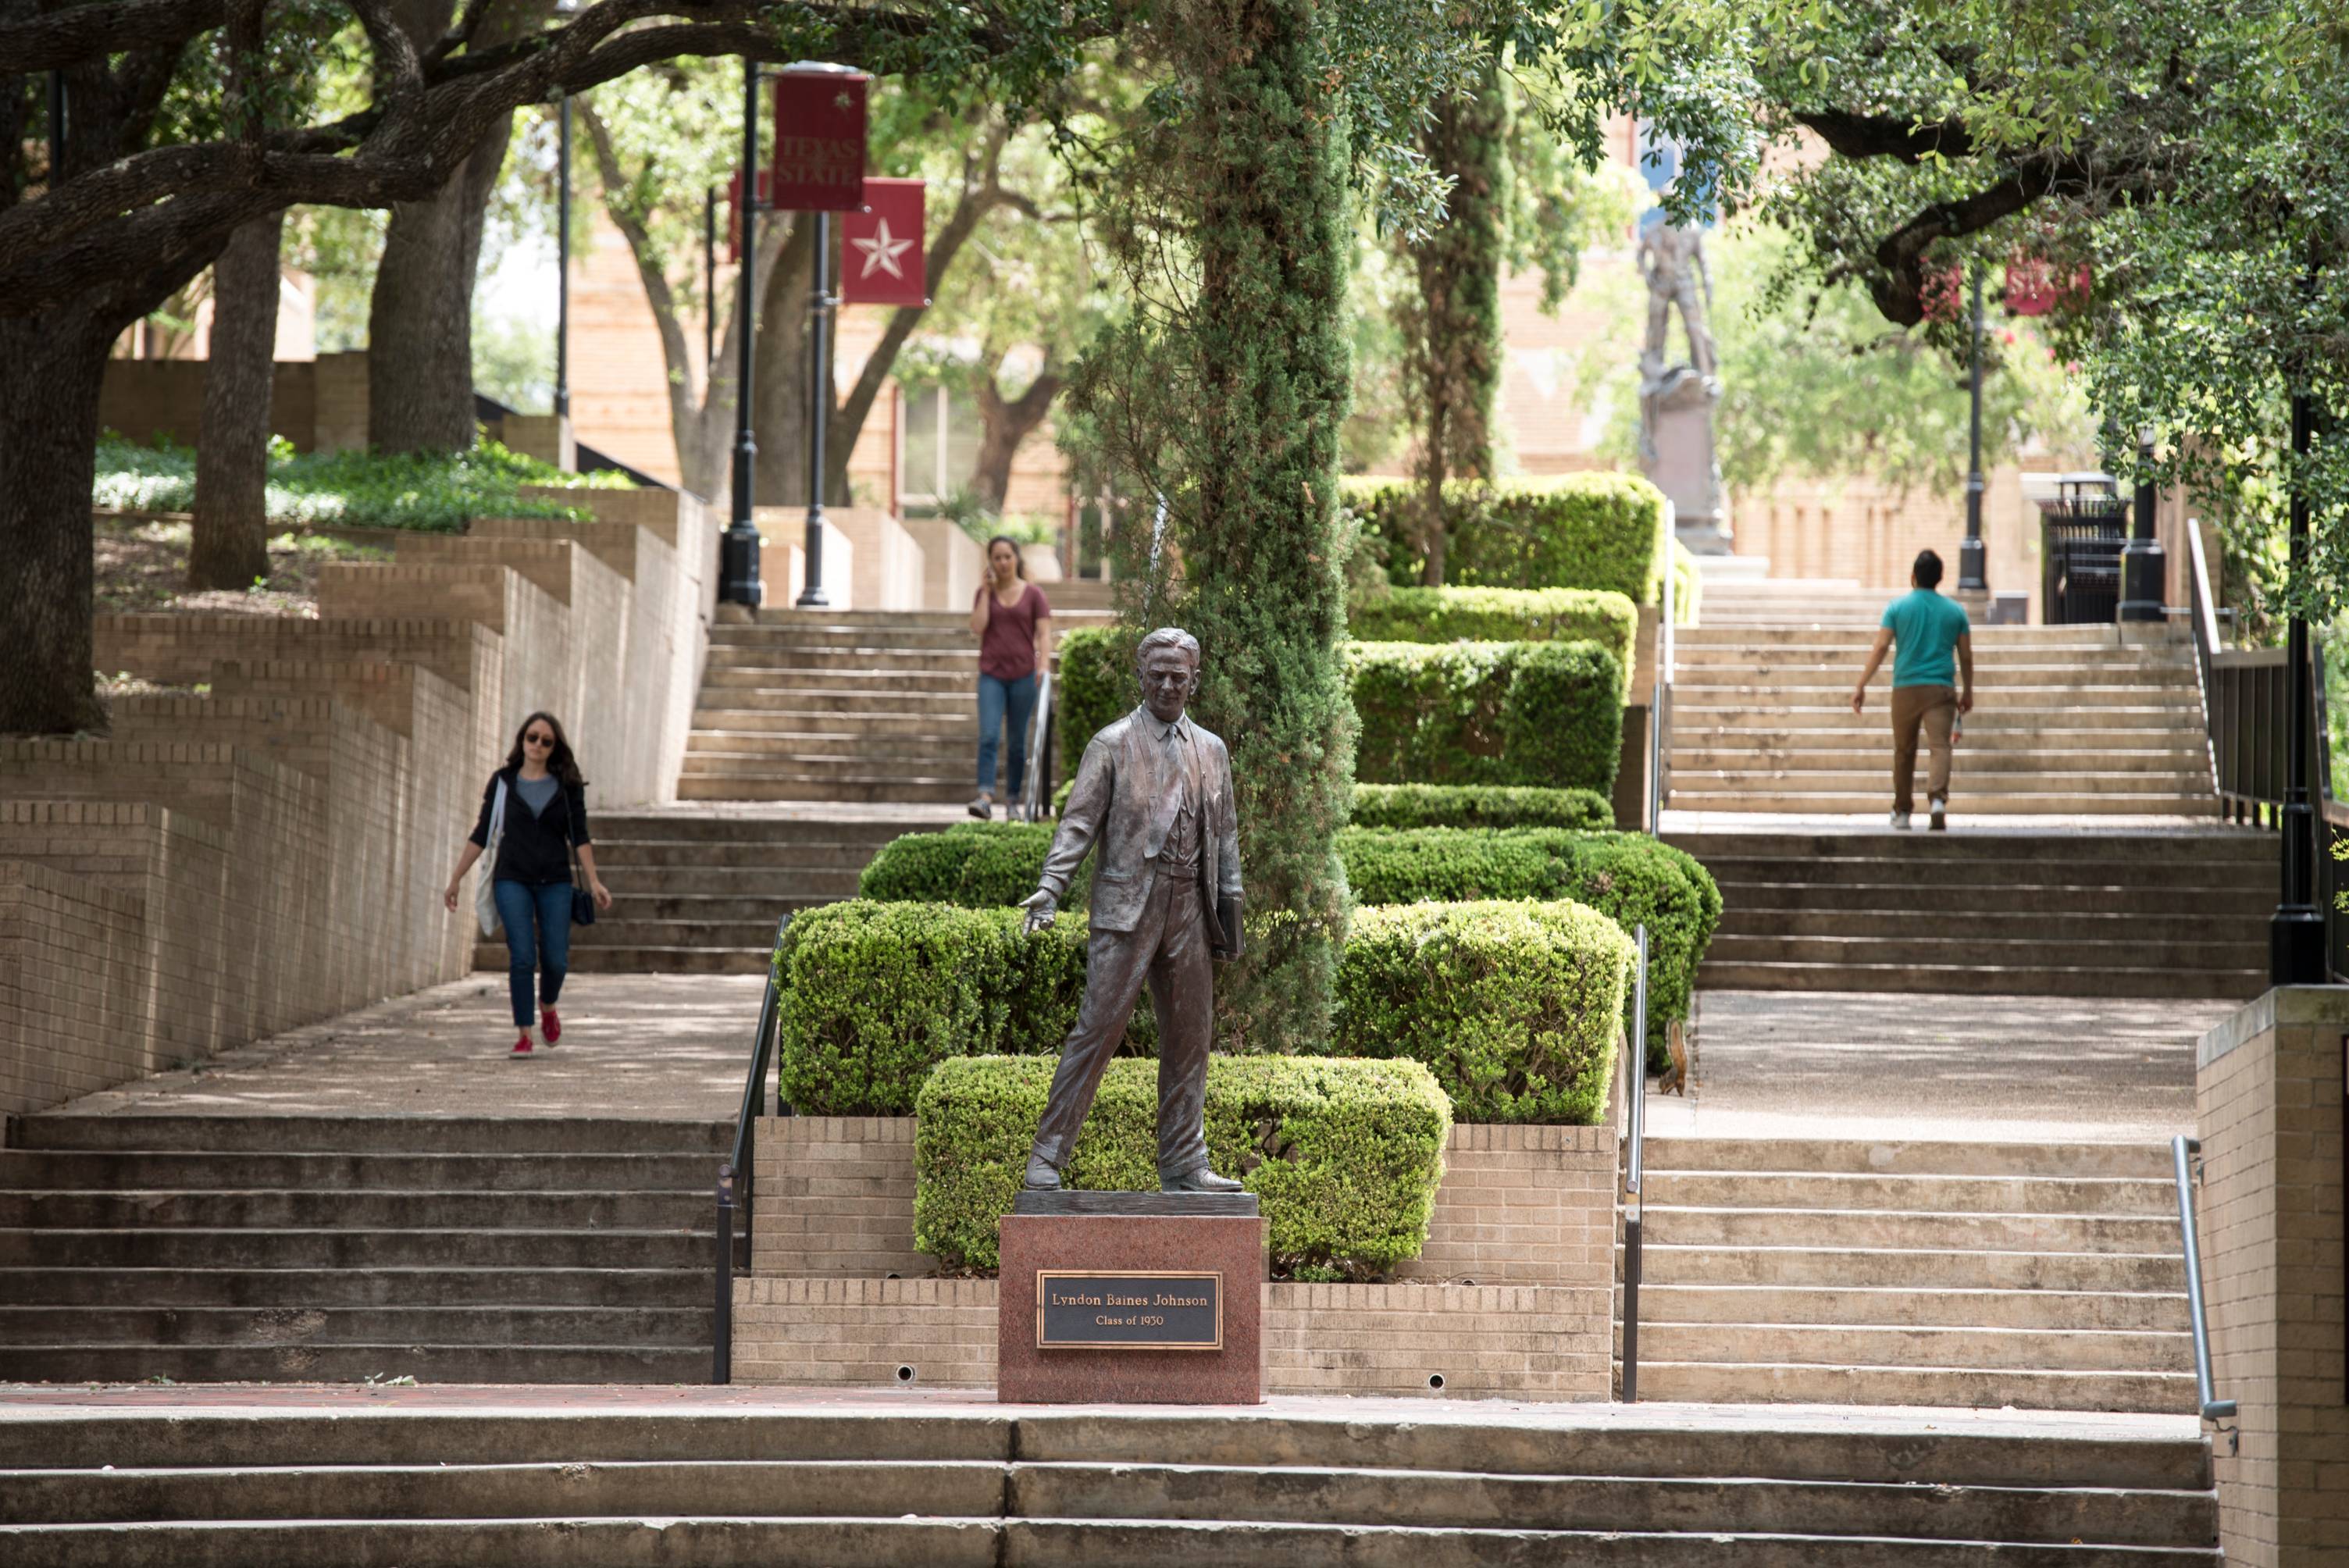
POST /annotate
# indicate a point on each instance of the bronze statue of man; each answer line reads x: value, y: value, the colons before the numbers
x: 1153, y: 795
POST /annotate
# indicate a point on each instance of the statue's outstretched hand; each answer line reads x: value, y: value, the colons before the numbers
x: 1042, y: 909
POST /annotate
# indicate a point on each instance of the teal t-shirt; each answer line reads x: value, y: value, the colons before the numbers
x: 1925, y: 631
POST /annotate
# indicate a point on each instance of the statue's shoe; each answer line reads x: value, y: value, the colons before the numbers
x: 1200, y: 1181
x: 1042, y: 1177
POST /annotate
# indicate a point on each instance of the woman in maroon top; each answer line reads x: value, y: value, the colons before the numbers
x: 1014, y: 626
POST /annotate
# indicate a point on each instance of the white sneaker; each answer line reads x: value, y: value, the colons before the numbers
x: 1940, y: 818
x: 1900, y: 820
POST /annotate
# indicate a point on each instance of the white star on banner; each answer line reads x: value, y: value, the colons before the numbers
x: 881, y: 251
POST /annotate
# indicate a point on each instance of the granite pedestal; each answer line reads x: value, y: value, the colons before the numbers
x: 1138, y: 1298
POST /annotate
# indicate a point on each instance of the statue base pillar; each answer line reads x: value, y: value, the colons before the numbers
x: 1131, y: 1298
x: 1677, y: 449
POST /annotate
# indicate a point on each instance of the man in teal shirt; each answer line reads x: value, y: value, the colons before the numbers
x: 1935, y: 643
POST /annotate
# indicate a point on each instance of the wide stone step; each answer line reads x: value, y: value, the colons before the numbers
x: 82, y: 1361
x: 1963, y: 980
x: 190, y: 1170
x: 652, y: 960
x: 786, y: 883
x: 1975, y: 789
x: 1890, y: 920
x: 1925, y: 1232
x: 718, y: 682
x: 927, y: 748
x: 792, y: 856
x: 882, y: 704
x: 1960, y: 1387
x: 1937, y: 1193
x: 1747, y: 902
x: 687, y: 826
x: 1824, y: 723
x: 358, y: 1249
x: 1872, y: 1268
x: 802, y: 656
x: 755, y: 930
x: 1862, y: 638
x: 880, y: 791
x: 948, y: 1543
x: 1985, y: 951
x: 335, y: 1288
x: 2143, y: 1162
x: 278, y: 1327
x: 1991, y: 762
x: 1971, y: 1345
x: 2088, y: 796
x: 271, y: 1209
x: 1894, y: 1306
x: 944, y: 725
x: 807, y: 888
x: 503, y: 1136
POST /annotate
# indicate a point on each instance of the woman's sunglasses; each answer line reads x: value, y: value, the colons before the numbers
x: 537, y: 738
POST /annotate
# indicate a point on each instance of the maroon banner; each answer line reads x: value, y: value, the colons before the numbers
x: 881, y: 256
x: 819, y: 157
x: 734, y: 210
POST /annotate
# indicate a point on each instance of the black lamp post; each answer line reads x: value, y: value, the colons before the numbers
x: 738, y: 560
x: 709, y: 282
x: 562, y: 264
x: 2144, y: 570
x: 2296, y: 954
x: 811, y: 593
x: 1972, y: 553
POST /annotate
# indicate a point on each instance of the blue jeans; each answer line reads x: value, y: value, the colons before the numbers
x: 1001, y: 702
x: 538, y: 938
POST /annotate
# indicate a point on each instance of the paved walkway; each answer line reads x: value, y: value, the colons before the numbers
x: 668, y: 1047
x: 1810, y: 1064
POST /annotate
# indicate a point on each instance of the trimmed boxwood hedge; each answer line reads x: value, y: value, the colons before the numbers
x: 1096, y: 686
x: 1480, y: 806
x: 979, y: 865
x: 1344, y: 1155
x: 1514, y: 1005
x: 1546, y: 714
x: 1573, y: 531
x: 1628, y: 877
x: 1500, y: 615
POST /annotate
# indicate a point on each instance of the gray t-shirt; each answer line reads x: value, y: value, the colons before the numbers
x: 537, y: 793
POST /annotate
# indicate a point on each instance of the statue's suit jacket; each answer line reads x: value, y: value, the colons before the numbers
x: 1123, y: 803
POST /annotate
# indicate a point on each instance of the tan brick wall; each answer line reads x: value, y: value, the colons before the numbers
x: 1483, y: 1341
x: 148, y: 399
x: 71, y: 955
x: 833, y: 1198
x: 1523, y: 1205
x: 2268, y: 1102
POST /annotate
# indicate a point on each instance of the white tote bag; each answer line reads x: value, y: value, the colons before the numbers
x: 485, y: 896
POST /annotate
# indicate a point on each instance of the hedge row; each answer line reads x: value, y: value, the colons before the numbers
x: 1345, y: 1155
x: 1629, y: 878
x: 876, y: 994
x: 1500, y: 615
x: 1546, y: 714
x: 1574, y: 531
x: 1480, y: 806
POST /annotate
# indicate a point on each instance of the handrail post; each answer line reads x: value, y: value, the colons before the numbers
x: 721, y: 1367
x: 2213, y: 1408
x: 1636, y: 1115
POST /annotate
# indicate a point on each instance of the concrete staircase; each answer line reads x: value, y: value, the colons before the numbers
x: 2016, y: 911
x: 615, y: 1484
x: 1742, y: 599
x: 2070, y: 719
x: 2043, y: 1276
x: 878, y: 706
x: 700, y: 892
x: 231, y: 1248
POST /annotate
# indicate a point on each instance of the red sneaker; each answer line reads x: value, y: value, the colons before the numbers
x: 521, y: 1046
x: 549, y: 1027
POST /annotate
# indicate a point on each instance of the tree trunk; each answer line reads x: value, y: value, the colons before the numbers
x: 230, y: 548
x: 1004, y: 425
x: 420, y: 315
x: 48, y: 424
x: 779, y: 371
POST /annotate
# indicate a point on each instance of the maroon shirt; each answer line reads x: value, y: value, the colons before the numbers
x: 1008, y: 649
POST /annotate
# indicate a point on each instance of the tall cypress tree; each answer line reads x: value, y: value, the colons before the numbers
x: 1228, y: 399
x: 1451, y: 324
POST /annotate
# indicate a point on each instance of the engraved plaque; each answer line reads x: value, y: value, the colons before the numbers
x: 1101, y: 1310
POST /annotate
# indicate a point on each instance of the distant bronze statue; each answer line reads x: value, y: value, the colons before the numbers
x: 1672, y: 258
x: 1153, y: 795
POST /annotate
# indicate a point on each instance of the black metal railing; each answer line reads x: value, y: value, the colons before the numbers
x: 1660, y: 699
x: 1036, y: 793
x: 734, y: 1183
x: 2213, y: 1408
x: 1635, y: 1121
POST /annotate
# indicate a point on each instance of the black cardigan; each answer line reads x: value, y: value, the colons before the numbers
x: 535, y: 848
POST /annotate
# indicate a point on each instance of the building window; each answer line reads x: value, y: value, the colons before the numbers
x: 939, y: 449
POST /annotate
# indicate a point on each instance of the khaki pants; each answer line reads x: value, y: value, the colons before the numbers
x: 1933, y: 708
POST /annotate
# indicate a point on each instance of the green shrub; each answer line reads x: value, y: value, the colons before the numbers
x: 1500, y: 615
x: 1345, y: 1155
x: 1480, y: 806
x: 1544, y: 714
x: 438, y: 492
x: 1628, y: 877
x: 874, y: 995
x: 1093, y: 687
x: 1574, y: 531
x: 1512, y: 1006
x: 978, y: 865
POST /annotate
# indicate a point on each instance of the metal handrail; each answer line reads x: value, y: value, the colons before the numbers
x: 1036, y: 791
x: 734, y: 1190
x: 2204, y: 615
x: 2214, y: 1408
x: 1635, y: 1117
x: 1660, y: 697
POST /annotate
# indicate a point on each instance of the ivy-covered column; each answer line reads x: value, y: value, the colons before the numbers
x: 1261, y: 147
x: 1453, y: 324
